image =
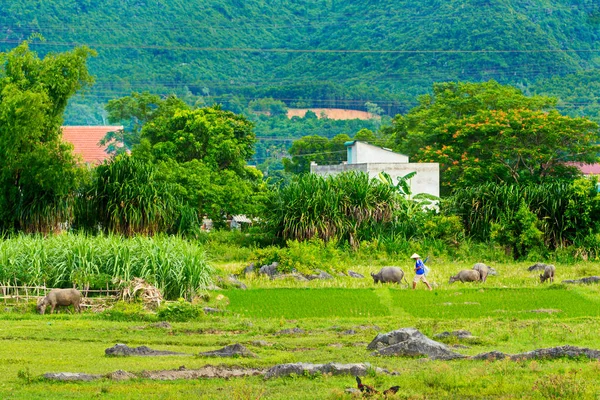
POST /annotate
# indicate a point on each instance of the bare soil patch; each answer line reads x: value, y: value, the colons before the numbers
x: 332, y: 113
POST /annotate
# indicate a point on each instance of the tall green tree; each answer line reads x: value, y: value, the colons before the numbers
x: 489, y: 132
x: 512, y: 147
x: 134, y: 112
x: 452, y: 101
x: 201, y: 152
x: 318, y: 149
x: 38, y: 172
x: 221, y: 139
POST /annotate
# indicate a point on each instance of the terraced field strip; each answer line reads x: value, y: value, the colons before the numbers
x: 522, y: 303
x: 306, y: 303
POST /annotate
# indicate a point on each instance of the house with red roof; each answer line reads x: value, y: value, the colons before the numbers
x: 86, y: 141
x: 587, y: 169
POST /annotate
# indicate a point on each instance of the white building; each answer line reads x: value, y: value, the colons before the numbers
x: 373, y: 160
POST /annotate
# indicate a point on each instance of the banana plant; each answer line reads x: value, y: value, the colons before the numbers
x: 403, y: 185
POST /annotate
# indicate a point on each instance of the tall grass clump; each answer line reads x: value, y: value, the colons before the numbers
x: 124, y: 197
x: 565, y: 212
x: 337, y: 207
x: 177, y: 267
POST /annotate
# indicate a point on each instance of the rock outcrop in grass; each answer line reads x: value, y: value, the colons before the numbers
x: 410, y: 342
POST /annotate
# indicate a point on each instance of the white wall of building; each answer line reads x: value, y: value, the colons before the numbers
x: 360, y: 153
x: 371, y: 159
x: 426, y: 180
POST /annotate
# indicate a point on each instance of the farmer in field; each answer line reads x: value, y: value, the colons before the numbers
x: 419, y: 271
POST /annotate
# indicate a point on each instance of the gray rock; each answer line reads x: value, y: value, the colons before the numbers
x: 120, y: 375
x: 549, y: 353
x: 461, y: 334
x: 236, y: 283
x: 349, y: 332
x: 410, y: 342
x: 293, y: 275
x: 355, y: 274
x: 311, y: 369
x: 589, y: 279
x: 161, y: 324
x: 322, y: 275
x: 124, y: 350
x: 249, y: 269
x: 290, y: 331
x: 71, y: 376
x: 559, y: 352
x: 261, y: 343
x: 537, y: 266
x: 270, y: 270
x: 210, y: 310
x: 234, y: 350
x: 490, y: 355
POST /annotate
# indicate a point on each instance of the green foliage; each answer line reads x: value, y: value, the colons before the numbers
x: 125, y: 198
x: 134, y: 111
x: 442, y: 44
x: 177, y: 267
x: 334, y: 208
x: 179, y: 311
x: 124, y: 311
x: 306, y: 303
x: 221, y: 139
x: 567, y: 212
x: 446, y: 228
x: 38, y: 173
x: 518, y: 146
x: 518, y: 231
x: 489, y: 132
x: 199, y: 155
x: 305, y: 257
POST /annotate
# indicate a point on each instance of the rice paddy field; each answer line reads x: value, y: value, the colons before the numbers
x: 286, y: 321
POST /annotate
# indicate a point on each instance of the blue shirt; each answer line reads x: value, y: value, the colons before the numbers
x: 419, y: 266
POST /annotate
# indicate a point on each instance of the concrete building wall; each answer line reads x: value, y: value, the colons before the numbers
x: 426, y: 180
x: 361, y: 153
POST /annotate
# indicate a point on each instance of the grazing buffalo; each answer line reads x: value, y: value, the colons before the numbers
x: 388, y: 274
x: 549, y: 271
x: 60, y: 297
x: 466, y: 275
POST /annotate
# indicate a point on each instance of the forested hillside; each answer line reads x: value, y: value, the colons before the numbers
x: 320, y: 53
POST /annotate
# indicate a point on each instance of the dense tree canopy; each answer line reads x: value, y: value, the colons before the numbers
x: 320, y: 53
x: 38, y: 172
x: 201, y: 152
x: 493, y: 133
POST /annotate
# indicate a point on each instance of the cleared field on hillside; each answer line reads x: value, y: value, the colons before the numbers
x: 332, y: 113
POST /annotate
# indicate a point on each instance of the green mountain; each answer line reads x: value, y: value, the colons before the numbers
x: 320, y: 53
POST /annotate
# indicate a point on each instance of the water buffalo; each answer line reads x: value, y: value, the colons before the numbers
x: 549, y: 271
x: 60, y: 297
x: 483, y: 270
x: 466, y: 275
x: 388, y: 274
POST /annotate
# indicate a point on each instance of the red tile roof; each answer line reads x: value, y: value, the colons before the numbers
x: 85, y: 141
x: 587, y: 169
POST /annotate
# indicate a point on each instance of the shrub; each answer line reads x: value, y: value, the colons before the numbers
x: 179, y: 311
x: 446, y: 228
x: 123, y: 311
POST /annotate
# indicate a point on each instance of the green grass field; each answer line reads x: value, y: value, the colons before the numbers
x: 337, y: 325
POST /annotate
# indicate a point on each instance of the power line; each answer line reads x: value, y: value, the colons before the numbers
x: 306, y: 51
